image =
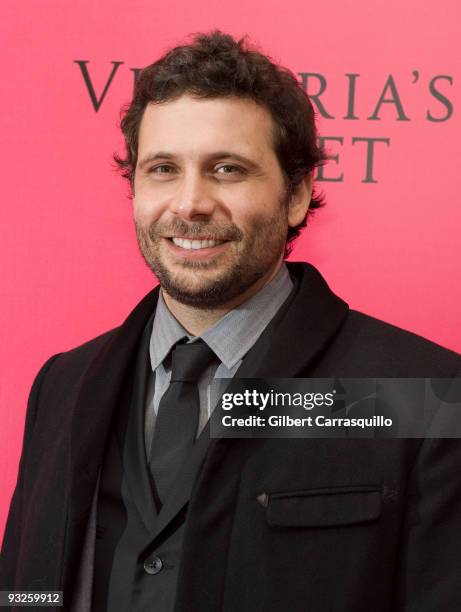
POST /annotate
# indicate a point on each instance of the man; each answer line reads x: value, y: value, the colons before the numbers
x: 123, y: 500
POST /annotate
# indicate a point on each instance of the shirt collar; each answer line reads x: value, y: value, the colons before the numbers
x: 166, y: 332
x: 234, y: 334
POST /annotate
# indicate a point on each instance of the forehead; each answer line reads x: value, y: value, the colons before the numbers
x: 203, y: 125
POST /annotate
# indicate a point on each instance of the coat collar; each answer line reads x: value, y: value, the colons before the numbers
x: 300, y: 330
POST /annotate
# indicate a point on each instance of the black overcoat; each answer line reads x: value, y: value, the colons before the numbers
x: 343, y: 525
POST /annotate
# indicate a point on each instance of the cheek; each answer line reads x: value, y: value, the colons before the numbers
x: 252, y: 212
x: 146, y: 208
x: 246, y: 204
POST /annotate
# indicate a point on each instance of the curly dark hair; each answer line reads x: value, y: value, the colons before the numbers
x: 215, y: 65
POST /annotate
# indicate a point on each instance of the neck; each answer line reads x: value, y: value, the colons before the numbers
x: 197, y: 320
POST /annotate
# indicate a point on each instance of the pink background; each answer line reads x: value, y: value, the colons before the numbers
x: 71, y: 268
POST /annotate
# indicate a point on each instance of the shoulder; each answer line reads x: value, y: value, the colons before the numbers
x: 406, y: 353
x: 71, y: 365
x: 89, y: 348
x: 361, y: 345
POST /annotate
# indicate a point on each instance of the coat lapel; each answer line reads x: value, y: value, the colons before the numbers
x: 130, y: 433
x: 94, y: 411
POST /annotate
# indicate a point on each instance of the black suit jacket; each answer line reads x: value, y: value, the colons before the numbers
x: 345, y: 525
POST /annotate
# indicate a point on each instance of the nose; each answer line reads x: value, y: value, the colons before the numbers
x: 193, y: 198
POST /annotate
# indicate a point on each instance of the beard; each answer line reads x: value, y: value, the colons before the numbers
x: 249, y: 256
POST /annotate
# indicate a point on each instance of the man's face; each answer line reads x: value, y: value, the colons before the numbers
x: 210, y: 204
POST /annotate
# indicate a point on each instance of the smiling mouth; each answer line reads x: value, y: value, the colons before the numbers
x: 186, y: 243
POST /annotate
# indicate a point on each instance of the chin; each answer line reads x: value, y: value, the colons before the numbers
x: 203, y: 293
x: 208, y: 293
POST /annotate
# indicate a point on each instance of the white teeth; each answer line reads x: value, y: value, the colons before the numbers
x: 184, y: 243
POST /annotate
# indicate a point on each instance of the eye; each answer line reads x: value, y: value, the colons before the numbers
x: 229, y: 169
x: 162, y: 169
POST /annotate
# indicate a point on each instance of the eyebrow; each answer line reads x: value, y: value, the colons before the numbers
x: 151, y: 157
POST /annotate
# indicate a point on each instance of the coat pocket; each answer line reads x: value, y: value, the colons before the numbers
x: 326, y: 507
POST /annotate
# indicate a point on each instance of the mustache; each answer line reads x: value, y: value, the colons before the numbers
x: 181, y: 229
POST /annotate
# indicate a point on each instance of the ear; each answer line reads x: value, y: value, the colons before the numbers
x: 300, y: 200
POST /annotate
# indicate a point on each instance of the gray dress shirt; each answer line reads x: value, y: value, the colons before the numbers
x: 230, y: 338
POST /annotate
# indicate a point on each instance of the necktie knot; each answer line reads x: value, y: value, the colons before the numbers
x: 189, y: 361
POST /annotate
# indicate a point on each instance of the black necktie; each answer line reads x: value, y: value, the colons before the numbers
x: 178, y: 414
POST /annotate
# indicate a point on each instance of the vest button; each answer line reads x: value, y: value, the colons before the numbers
x: 153, y: 566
